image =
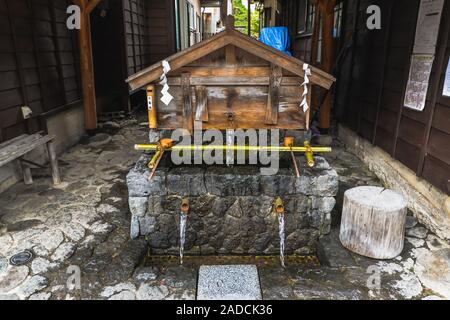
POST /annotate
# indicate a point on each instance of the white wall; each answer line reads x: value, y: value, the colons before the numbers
x: 215, y: 18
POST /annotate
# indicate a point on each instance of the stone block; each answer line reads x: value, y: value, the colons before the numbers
x: 186, y: 181
x: 138, y: 205
x: 281, y: 184
x: 239, y: 282
x: 140, y: 186
x: 232, y: 181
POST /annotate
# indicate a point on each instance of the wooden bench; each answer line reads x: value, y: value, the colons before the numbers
x: 15, y: 150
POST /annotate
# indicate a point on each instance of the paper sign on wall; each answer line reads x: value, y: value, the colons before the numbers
x: 446, y: 91
x: 427, y: 30
x: 419, y: 77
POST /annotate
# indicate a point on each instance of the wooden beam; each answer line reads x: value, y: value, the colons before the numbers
x: 178, y: 60
x: 234, y: 81
x: 87, y: 66
x: 259, y: 49
x: 188, y: 116
x: 273, y: 99
x: 91, y: 5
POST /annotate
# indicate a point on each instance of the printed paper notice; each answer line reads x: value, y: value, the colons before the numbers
x: 427, y: 30
x: 419, y: 77
x: 446, y: 91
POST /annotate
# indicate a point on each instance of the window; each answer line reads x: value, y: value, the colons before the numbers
x: 177, y: 26
x: 306, y: 12
x: 337, y: 28
x: 191, y: 16
x: 191, y: 24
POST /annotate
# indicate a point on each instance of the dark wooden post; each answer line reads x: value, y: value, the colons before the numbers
x: 86, y: 63
x: 249, y: 15
x: 327, y: 57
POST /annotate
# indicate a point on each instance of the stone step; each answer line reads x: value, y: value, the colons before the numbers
x: 229, y: 282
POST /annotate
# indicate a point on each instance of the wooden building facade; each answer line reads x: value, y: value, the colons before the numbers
x: 38, y: 62
x: 40, y: 57
x: 372, y: 68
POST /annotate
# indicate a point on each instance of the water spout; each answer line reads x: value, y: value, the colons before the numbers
x: 279, y: 210
x: 282, y: 237
x: 183, y: 222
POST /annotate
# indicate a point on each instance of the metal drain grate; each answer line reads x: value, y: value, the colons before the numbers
x: 21, y: 258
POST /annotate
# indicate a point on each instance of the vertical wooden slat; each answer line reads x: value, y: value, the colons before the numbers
x: 132, y: 36
x: 140, y: 7
x: 273, y: 99
x: 37, y: 53
x: 440, y: 65
x: 188, y: 116
x: 202, y: 112
x: 327, y: 60
x: 230, y: 56
x: 387, y: 38
x: 76, y: 56
x: 405, y: 80
x: 353, y: 53
x: 315, y: 36
x: 58, y: 49
x: 19, y: 63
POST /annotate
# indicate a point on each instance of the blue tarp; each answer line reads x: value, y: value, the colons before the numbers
x: 277, y: 37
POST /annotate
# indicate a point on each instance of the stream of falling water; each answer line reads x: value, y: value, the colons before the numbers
x: 183, y: 222
x: 282, y: 237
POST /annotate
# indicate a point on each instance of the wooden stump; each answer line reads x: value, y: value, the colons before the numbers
x: 373, y: 222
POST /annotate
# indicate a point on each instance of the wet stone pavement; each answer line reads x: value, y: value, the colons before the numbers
x: 79, y: 234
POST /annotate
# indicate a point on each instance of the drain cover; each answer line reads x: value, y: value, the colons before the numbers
x: 21, y: 258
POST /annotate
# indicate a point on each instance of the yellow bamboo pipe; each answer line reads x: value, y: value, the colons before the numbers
x: 151, y: 107
x: 278, y: 206
x: 309, y: 154
x: 155, y: 147
x: 155, y: 159
x: 185, y: 206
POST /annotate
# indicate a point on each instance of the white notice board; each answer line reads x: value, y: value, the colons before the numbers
x: 427, y: 30
x: 446, y: 91
x: 419, y: 77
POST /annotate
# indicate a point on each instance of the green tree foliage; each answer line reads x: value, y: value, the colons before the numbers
x: 240, y: 13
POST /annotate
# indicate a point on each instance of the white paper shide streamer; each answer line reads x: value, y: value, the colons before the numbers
x: 166, y: 96
x: 305, y: 83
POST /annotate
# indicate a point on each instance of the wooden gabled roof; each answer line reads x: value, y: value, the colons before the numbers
x: 220, y: 40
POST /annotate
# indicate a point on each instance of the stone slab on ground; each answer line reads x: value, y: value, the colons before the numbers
x: 232, y: 282
x: 332, y: 253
